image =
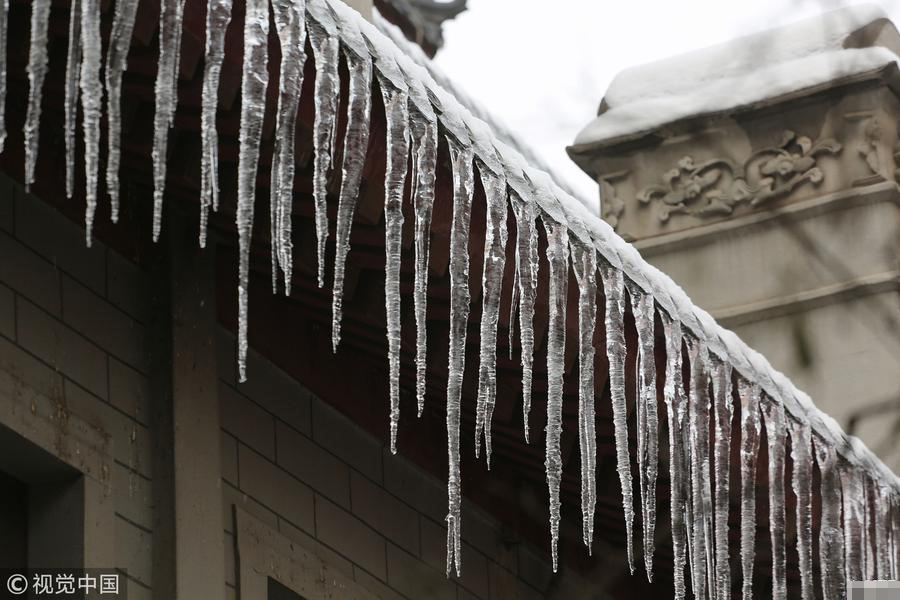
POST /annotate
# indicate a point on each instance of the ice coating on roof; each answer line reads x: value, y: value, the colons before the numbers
x: 737, y: 73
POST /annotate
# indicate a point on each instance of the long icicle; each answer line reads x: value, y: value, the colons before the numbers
x: 461, y: 156
x: 773, y: 412
x: 491, y: 285
x: 801, y: 482
x: 116, y: 62
x: 290, y: 23
x: 91, y: 106
x: 676, y: 411
x: 356, y: 142
x: 4, y: 39
x: 831, y: 538
x: 254, y: 80
x: 558, y: 266
x: 73, y: 69
x: 396, y: 112
x: 871, y: 570
x: 723, y: 411
x: 424, y: 161
x: 528, y: 265
x: 642, y: 308
x: 171, y: 16
x: 584, y: 263
x: 614, y: 289
x: 703, y: 538
x: 750, y: 430
x: 325, y: 52
x: 37, y: 71
x: 851, y: 490
x: 218, y: 16
x: 882, y: 530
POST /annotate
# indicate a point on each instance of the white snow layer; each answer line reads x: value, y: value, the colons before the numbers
x: 737, y: 73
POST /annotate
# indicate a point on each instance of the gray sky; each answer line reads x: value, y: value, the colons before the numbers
x: 541, y: 67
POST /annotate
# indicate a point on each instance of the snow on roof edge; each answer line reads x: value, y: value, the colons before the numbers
x: 725, y: 344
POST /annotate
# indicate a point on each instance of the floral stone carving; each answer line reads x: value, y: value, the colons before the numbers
x: 716, y: 187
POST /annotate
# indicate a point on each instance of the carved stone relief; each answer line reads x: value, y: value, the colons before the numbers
x: 715, y: 187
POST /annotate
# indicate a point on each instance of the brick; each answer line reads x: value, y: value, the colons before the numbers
x: 131, y: 445
x: 62, y: 348
x: 134, y: 496
x: 434, y: 553
x: 301, y: 457
x: 247, y: 422
x: 323, y: 552
x: 415, y: 579
x: 534, y: 569
x: 129, y: 391
x: 29, y: 275
x: 277, y: 392
x: 504, y: 585
x: 46, y: 231
x: 275, y: 489
x: 233, y: 497
x: 225, y: 356
x: 388, y: 515
x: 7, y: 312
x: 486, y: 534
x: 374, y: 585
x: 128, y: 287
x: 346, y: 439
x: 7, y: 201
x: 133, y: 550
x: 526, y: 592
x: 350, y: 536
x: 230, y: 560
x: 229, y: 452
x: 103, y: 324
x: 415, y: 487
x: 27, y: 372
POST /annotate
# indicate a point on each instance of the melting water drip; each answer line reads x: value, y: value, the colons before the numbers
x: 218, y: 16
x: 253, y: 93
x: 73, y: 70
x: 356, y: 141
x: 396, y: 112
x: 37, y: 71
x: 491, y: 285
x: 170, y: 20
x: 91, y: 106
x: 527, y: 266
x: 116, y: 62
x: 801, y: 482
x: 291, y: 26
x: 773, y: 413
x: 750, y: 430
x: 584, y: 263
x: 461, y: 157
x: 558, y: 267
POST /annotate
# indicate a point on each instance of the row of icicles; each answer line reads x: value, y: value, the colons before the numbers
x: 859, y: 531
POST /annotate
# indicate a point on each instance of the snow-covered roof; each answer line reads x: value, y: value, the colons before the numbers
x: 738, y: 73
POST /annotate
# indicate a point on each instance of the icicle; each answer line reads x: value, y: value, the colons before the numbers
x: 584, y: 263
x: 37, y: 70
x: 676, y: 408
x: 91, y: 106
x: 723, y: 411
x: 513, y: 303
x: 801, y: 482
x: 356, y: 142
x: 773, y: 412
x: 254, y: 80
x: 325, y: 52
x: 73, y: 68
x: 648, y: 426
x: 424, y: 152
x: 750, y: 429
x: 614, y: 289
x: 218, y: 16
x: 396, y: 113
x: 116, y: 62
x: 4, y: 27
x: 871, y: 568
x: 698, y: 423
x: 558, y: 264
x: 895, y: 535
x: 491, y: 284
x: 854, y: 530
x: 831, y: 541
x: 882, y: 530
x: 291, y: 26
x: 527, y: 267
x: 170, y: 20
x: 461, y: 156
